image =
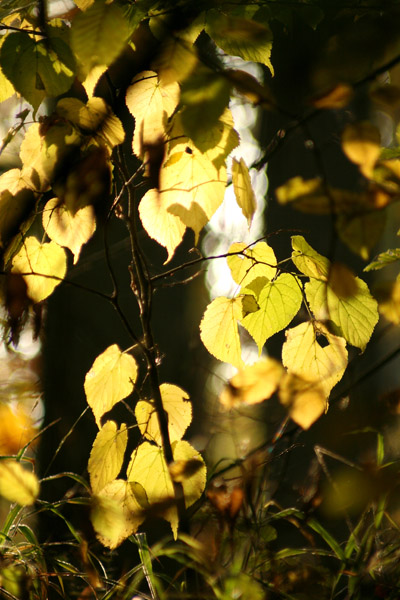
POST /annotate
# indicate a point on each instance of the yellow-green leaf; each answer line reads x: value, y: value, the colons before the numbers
x: 92, y: 78
x: 243, y: 190
x: 219, y: 329
x: 388, y: 295
x: 31, y: 155
x: 304, y: 400
x: 304, y: 356
x: 99, y: 35
x: 279, y: 302
x: 6, y: 88
x: 107, y: 455
x: 161, y: 225
x: 16, y: 202
x: 216, y: 142
x: 115, y: 513
x: 178, y: 408
x: 67, y: 229
x: 361, y: 232
x: 17, y: 484
x: 110, y: 379
x: 253, y: 384
x: 151, y: 102
x: 43, y: 267
x: 308, y: 261
x: 355, y: 315
x: 148, y: 468
x: 251, y: 263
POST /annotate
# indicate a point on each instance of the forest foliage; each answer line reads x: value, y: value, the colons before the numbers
x: 80, y: 74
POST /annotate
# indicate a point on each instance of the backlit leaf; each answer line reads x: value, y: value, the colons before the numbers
x: 308, y: 261
x: 304, y: 356
x: 176, y: 60
x: 388, y: 295
x: 6, y: 88
x: 383, y: 259
x: 215, y: 142
x: 115, y: 513
x: 67, y: 229
x: 361, y: 232
x: 107, y: 455
x: 178, y: 408
x: 342, y: 280
x: 252, y: 384
x: 362, y: 144
x: 91, y: 80
x: 355, y: 315
x: 16, y: 202
x: 337, y: 97
x: 254, y: 262
x: 148, y: 468
x: 43, y: 267
x: 279, y: 302
x: 219, y: 329
x: 305, y: 400
x: 110, y: 379
x: 18, y: 484
x: 151, y: 102
x: 16, y: 428
x: 99, y: 35
x: 160, y: 224
x: 31, y: 155
x: 243, y: 190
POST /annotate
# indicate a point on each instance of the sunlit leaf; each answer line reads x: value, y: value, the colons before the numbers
x: 179, y: 412
x: 388, y: 296
x: 307, y: 260
x: 99, y: 35
x: 241, y: 37
x: 219, y: 329
x: 251, y: 263
x: 151, y: 102
x: 110, y: 379
x: 148, y: 468
x: 252, y: 384
x: 6, y: 88
x: 160, y: 224
x: 361, y: 142
x: 31, y: 155
x: 115, y: 513
x: 243, y: 190
x: 279, y: 302
x: 355, y: 315
x: 107, y: 455
x: 305, y: 400
x: 16, y: 202
x: 94, y: 117
x: 308, y: 194
x: 176, y: 60
x: 18, y: 484
x: 361, y: 232
x: 336, y: 98
x: 303, y: 355
x: 67, y: 229
x: 92, y: 79
x: 383, y: 259
x: 43, y: 267
x: 16, y: 428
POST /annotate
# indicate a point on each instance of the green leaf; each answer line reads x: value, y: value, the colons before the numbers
x: 383, y: 259
x: 35, y: 69
x: 308, y: 261
x: 17, y: 484
x: 240, y: 36
x: 355, y: 315
x: 279, y: 302
x: 107, y: 455
x: 99, y: 35
x: 110, y: 379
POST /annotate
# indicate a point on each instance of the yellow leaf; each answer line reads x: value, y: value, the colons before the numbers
x: 6, y: 88
x: 388, y: 295
x: 161, y: 225
x: 17, y: 484
x: 337, y: 97
x: 243, y: 191
x: 95, y: 117
x: 43, y: 267
x: 252, y: 263
x: 148, y: 468
x: 176, y: 405
x: 110, y: 379
x: 16, y: 202
x: 279, y: 301
x: 31, y: 155
x: 92, y: 79
x: 219, y: 329
x: 361, y: 232
x: 305, y: 400
x: 355, y: 315
x: 176, y: 60
x: 68, y: 229
x: 308, y: 261
x: 305, y: 357
x: 361, y: 142
x: 151, y: 102
x: 16, y: 429
x: 253, y: 384
x: 215, y: 142
x: 115, y: 513
x: 107, y: 455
